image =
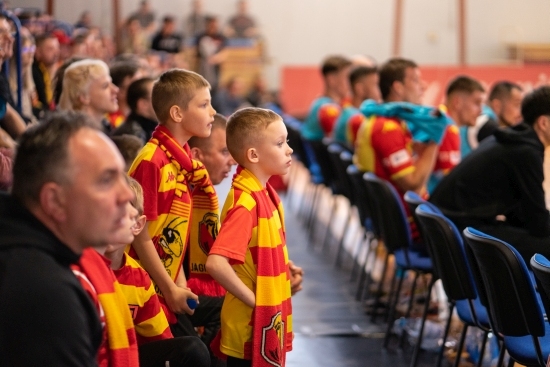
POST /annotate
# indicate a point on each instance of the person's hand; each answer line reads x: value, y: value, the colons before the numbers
x: 177, y: 300
x: 296, y: 275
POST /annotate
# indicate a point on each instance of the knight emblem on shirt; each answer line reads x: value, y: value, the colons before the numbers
x: 272, y: 340
x: 208, y: 231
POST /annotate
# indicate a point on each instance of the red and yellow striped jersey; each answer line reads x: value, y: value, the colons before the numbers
x: 252, y: 237
x: 149, y: 319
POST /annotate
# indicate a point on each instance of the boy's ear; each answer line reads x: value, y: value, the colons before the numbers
x: 140, y: 223
x: 176, y: 113
x: 84, y: 99
x: 252, y: 155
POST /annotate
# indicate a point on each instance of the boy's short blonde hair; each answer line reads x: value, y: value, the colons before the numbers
x: 76, y: 82
x: 245, y: 128
x: 137, y: 201
x: 175, y: 87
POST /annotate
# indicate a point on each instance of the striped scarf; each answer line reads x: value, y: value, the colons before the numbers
x: 204, y: 218
x: 272, y: 316
x: 121, y: 347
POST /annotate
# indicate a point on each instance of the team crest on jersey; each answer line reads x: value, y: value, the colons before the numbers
x: 272, y: 341
x: 208, y: 231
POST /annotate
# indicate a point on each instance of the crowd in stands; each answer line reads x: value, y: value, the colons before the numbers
x: 112, y: 227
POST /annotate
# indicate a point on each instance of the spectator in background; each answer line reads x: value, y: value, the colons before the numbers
x: 129, y: 147
x: 135, y: 39
x: 505, y: 101
x: 325, y: 110
x: 364, y: 85
x: 463, y: 102
x: 123, y: 73
x: 210, y: 52
x: 43, y: 70
x: 6, y: 53
x: 167, y: 39
x: 241, y: 25
x: 196, y: 21
x: 85, y: 20
x: 28, y: 91
x: 145, y: 17
x: 259, y: 95
x: 231, y: 98
x: 503, y: 110
x: 498, y: 188
x: 87, y: 87
x: 142, y: 120
x: 57, y: 83
x: 65, y: 47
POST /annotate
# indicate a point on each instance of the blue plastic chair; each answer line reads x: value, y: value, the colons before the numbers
x: 507, y: 290
x: 446, y: 249
x: 391, y: 219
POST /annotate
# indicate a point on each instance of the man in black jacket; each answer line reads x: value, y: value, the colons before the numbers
x: 498, y: 190
x: 69, y: 192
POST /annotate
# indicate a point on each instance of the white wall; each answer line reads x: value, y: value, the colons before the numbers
x: 302, y: 32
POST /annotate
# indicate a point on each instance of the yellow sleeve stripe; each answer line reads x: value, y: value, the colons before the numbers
x: 404, y: 172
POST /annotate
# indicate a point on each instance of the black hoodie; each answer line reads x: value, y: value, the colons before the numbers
x: 502, y: 177
x: 46, y: 317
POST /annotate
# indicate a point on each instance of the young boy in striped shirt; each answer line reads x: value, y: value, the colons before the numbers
x: 249, y: 256
x: 156, y: 345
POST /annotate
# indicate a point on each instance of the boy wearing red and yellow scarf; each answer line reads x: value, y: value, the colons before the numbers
x: 249, y: 257
x: 172, y: 183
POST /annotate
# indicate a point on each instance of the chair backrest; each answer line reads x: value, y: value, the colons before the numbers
x: 319, y: 149
x: 446, y: 250
x: 296, y: 143
x: 364, y: 203
x: 389, y: 216
x: 504, y: 285
x: 339, y: 166
x: 541, y: 268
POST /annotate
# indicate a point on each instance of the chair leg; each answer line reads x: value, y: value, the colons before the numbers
x: 312, y: 216
x: 501, y: 353
x: 409, y: 308
x: 326, y: 241
x: 340, y: 247
x: 424, y: 316
x: 356, y: 251
x: 393, y: 303
x: 482, y: 350
x: 461, y: 345
x: 379, y: 290
x: 447, y: 328
x: 363, y: 276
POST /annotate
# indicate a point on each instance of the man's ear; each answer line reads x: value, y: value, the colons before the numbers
x: 252, y: 155
x: 196, y: 153
x: 52, y: 200
x: 398, y: 88
x: 140, y: 224
x: 176, y: 113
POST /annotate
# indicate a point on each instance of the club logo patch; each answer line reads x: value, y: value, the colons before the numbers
x: 272, y: 341
x: 208, y: 231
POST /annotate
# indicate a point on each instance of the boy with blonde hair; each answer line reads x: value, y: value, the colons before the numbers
x: 171, y: 182
x: 249, y: 257
x: 156, y: 345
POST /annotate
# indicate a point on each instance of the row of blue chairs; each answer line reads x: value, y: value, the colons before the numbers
x: 486, y: 281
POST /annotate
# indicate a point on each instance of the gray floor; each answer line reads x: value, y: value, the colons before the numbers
x: 331, y: 328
